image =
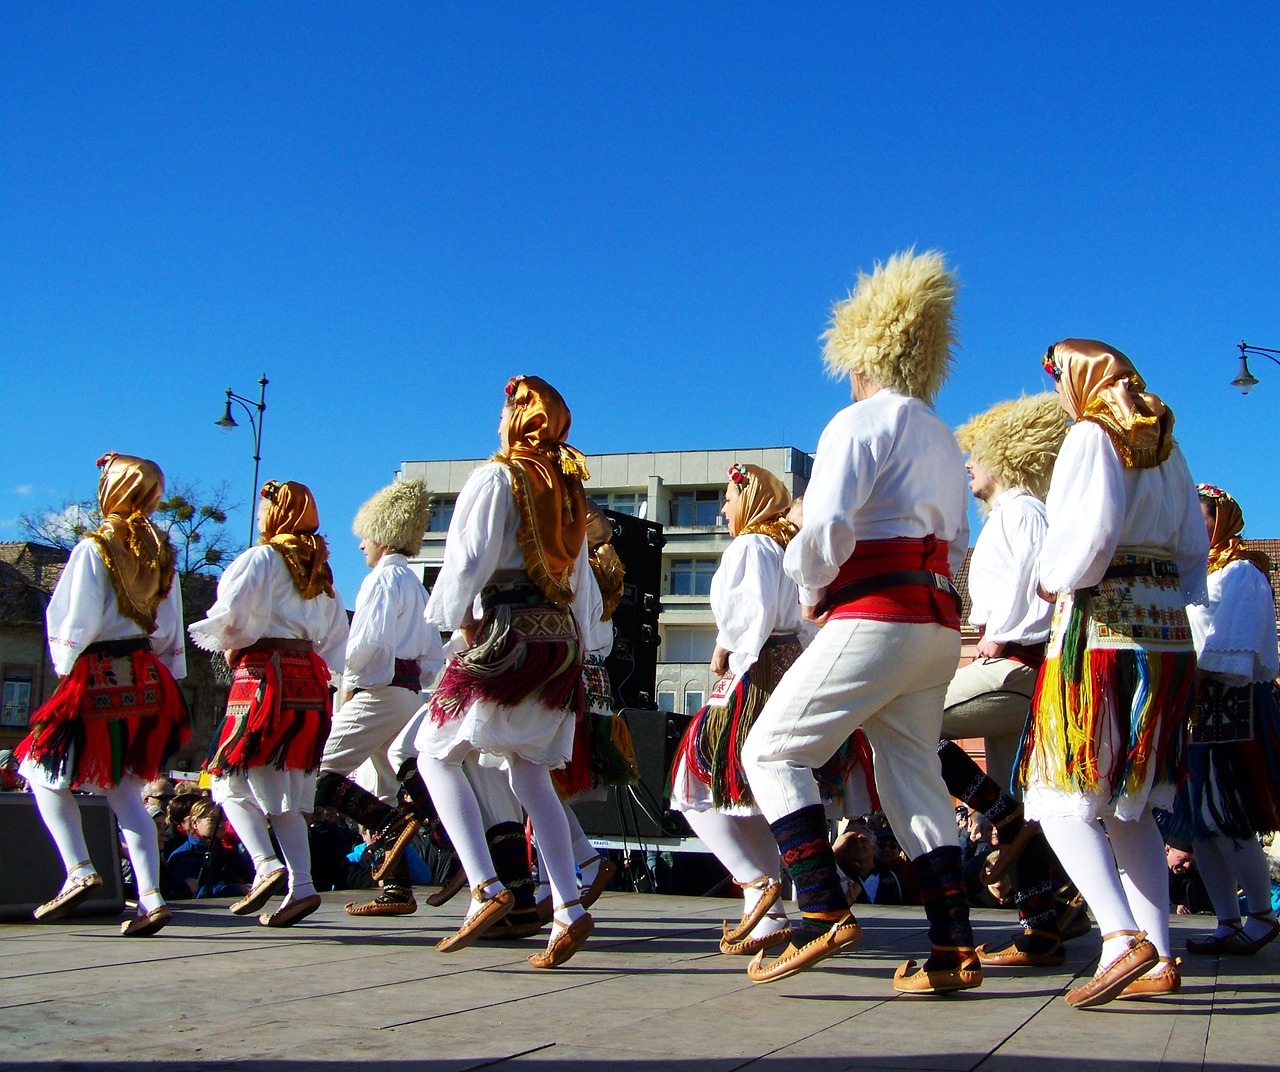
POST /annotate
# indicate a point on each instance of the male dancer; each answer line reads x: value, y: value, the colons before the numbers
x: 884, y: 530
x: 390, y: 647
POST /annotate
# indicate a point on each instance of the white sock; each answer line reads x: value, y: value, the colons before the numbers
x: 139, y: 831
x: 250, y: 826
x: 291, y: 833
x: 738, y: 843
x: 61, y: 817
x: 456, y: 804
x: 1139, y: 853
x: 1087, y: 857
x: 532, y: 786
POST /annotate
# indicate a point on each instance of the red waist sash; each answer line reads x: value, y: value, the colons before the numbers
x: 915, y: 602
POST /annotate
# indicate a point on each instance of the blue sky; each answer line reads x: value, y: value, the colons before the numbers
x: 392, y: 208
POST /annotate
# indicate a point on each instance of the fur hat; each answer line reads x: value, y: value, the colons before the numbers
x: 395, y: 517
x: 897, y: 327
x: 1018, y: 441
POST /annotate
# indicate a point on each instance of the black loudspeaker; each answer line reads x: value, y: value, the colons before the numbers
x: 33, y: 871
x: 633, y: 663
x: 641, y: 810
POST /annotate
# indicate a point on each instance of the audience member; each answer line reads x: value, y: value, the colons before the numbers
x: 211, y: 862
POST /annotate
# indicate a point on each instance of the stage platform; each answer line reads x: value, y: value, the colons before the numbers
x: 649, y: 991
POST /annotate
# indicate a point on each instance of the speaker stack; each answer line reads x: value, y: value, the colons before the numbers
x: 633, y: 663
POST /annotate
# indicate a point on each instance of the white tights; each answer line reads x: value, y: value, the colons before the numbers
x: 1125, y: 879
x: 61, y: 815
x: 748, y: 850
x: 532, y: 785
x: 1227, y: 866
x: 291, y: 834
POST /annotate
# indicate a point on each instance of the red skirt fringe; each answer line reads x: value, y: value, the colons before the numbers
x: 278, y: 714
x: 113, y: 715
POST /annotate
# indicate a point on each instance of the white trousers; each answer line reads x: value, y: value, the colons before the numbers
x: 365, y: 729
x: 990, y: 698
x: 887, y: 677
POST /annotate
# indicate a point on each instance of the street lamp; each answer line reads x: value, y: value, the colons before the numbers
x: 1246, y: 380
x: 227, y: 422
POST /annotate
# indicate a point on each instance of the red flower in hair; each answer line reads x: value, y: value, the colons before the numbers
x: 1208, y: 491
x: 1051, y: 365
x: 269, y: 490
x: 512, y: 384
x: 738, y: 475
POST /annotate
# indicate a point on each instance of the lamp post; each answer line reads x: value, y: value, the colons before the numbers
x: 1245, y: 380
x: 227, y: 422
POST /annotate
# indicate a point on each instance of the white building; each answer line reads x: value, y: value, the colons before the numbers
x: 683, y: 491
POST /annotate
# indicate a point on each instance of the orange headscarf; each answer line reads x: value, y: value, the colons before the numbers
x: 1100, y: 384
x: 289, y: 527
x: 546, y: 477
x: 138, y: 556
x: 605, y: 563
x: 763, y: 502
x: 1225, y: 545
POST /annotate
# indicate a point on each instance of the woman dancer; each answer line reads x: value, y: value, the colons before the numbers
x: 117, y: 716
x: 757, y: 611
x: 1124, y: 552
x: 282, y: 626
x: 1233, y: 791
x: 516, y: 547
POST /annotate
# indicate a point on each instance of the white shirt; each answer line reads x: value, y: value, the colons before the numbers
x: 257, y: 599
x: 390, y: 623
x: 588, y: 606
x: 83, y: 610
x: 481, y: 541
x: 751, y: 598
x: 1235, y: 634
x: 886, y: 467
x: 1098, y: 507
x: 1002, y: 571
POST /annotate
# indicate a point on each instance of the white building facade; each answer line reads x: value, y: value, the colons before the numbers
x: 681, y: 490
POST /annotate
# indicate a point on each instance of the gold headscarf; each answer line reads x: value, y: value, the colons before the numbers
x: 289, y: 527
x: 138, y: 555
x: 546, y: 477
x: 605, y: 563
x: 763, y: 502
x: 1100, y: 384
x: 1225, y: 545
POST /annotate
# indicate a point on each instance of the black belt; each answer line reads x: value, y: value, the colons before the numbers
x: 520, y: 595
x: 877, y: 582
x: 113, y: 649
x: 1155, y: 568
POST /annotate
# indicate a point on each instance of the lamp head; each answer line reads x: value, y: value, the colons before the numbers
x: 226, y: 422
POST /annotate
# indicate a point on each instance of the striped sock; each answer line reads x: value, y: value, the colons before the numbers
x: 946, y: 902
x: 510, y: 851
x: 970, y: 783
x: 807, y: 856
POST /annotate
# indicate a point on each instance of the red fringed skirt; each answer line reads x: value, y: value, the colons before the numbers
x: 603, y: 753
x: 119, y: 712
x: 278, y: 714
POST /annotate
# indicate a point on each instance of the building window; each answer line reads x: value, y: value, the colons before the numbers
x: 666, y: 701
x: 695, y: 508
x: 688, y: 644
x: 626, y: 503
x: 692, y: 576
x: 16, y: 710
x: 692, y: 701
x: 441, y: 515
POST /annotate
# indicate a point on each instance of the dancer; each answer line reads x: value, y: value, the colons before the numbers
x: 281, y: 625
x: 117, y: 717
x: 757, y: 611
x: 1012, y: 448
x: 1233, y: 761
x: 516, y: 546
x: 884, y: 530
x: 390, y: 648
x: 1125, y: 551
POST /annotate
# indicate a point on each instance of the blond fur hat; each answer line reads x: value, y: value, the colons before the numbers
x: 1018, y: 441
x: 897, y: 328
x: 395, y: 517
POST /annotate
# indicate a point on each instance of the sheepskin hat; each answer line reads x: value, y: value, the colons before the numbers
x: 395, y: 517
x: 1018, y: 441
x: 897, y: 328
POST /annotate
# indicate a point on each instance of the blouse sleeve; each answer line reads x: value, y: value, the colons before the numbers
x: 1192, y: 552
x: 73, y: 618
x: 167, y: 641
x: 1085, y: 507
x: 474, y: 546
x: 332, y: 648
x: 746, y: 612
x: 240, y: 614
x: 1239, y: 645
x: 371, y: 655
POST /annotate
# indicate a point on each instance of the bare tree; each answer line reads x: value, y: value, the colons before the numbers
x: 195, y: 524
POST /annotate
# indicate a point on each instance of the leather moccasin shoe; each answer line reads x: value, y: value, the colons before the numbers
x: 261, y: 892
x: 1111, y: 980
x: 1168, y: 980
x: 71, y: 894
x: 1031, y: 949
x: 146, y: 925
x: 843, y: 933
x: 911, y: 978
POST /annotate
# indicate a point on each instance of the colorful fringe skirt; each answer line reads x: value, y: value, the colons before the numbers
x: 119, y: 712
x: 711, y: 751
x: 518, y: 691
x: 278, y: 714
x: 1106, y: 733
x: 1233, y: 765
x: 603, y: 753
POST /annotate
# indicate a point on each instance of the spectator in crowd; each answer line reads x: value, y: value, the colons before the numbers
x: 857, y: 853
x: 178, y: 810
x: 10, y: 779
x: 211, y: 862
x: 331, y: 839
x: 1186, y: 889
